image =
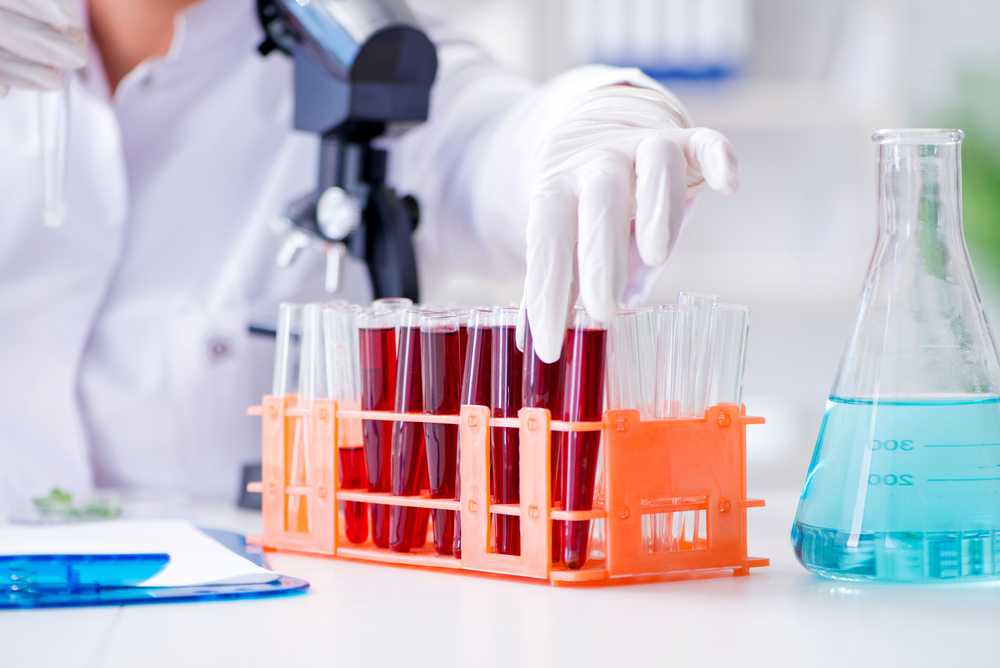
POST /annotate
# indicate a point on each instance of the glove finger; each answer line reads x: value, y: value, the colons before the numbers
x: 710, y: 154
x: 19, y: 73
x: 58, y: 13
x: 607, y: 207
x: 551, y: 238
x: 43, y: 44
x: 660, y: 194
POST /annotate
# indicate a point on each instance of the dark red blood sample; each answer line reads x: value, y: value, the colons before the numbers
x: 541, y: 390
x: 475, y: 392
x: 442, y: 385
x: 463, y: 345
x: 407, y: 442
x: 582, y: 401
x: 504, y: 454
x: 378, y: 392
x: 352, y: 476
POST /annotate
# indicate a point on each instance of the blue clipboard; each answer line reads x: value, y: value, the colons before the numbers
x: 56, y: 581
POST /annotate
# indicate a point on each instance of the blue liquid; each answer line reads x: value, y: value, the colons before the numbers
x: 903, y: 491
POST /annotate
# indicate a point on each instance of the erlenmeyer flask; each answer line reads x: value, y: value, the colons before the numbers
x: 904, y: 484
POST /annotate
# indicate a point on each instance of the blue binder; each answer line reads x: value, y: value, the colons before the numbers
x: 46, y: 581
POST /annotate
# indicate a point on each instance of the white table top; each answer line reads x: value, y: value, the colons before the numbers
x: 372, y: 615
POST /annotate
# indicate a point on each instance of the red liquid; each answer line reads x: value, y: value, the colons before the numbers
x: 407, y: 443
x: 541, y: 390
x: 475, y: 392
x: 378, y: 392
x: 504, y: 456
x: 442, y: 385
x: 352, y: 476
x: 583, y: 359
x: 422, y: 515
x: 463, y: 345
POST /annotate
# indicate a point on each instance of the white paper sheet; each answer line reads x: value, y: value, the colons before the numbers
x: 195, y: 559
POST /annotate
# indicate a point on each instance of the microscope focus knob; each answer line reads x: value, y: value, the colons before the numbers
x: 337, y: 213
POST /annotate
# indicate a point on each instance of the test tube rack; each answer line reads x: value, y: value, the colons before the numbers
x: 650, y: 467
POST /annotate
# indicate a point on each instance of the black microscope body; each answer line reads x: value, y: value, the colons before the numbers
x: 360, y: 65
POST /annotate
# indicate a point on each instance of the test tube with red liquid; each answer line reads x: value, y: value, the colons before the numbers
x: 343, y: 376
x: 541, y: 390
x: 505, y: 402
x: 407, y: 437
x: 377, y: 350
x: 582, y: 400
x: 475, y: 388
x: 441, y: 359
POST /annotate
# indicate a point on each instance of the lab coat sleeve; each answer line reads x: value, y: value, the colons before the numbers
x: 469, y: 165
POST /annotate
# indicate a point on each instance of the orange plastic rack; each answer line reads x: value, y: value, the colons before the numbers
x: 649, y: 468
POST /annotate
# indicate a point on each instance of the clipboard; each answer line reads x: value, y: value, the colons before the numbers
x: 56, y: 581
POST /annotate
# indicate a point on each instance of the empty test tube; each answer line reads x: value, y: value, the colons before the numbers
x: 675, y: 384
x: 311, y: 385
x: 541, y: 390
x: 726, y: 357
x: 632, y: 361
x: 505, y: 402
x: 377, y: 351
x: 441, y: 362
x: 343, y: 377
x: 286, y: 350
x: 407, y: 437
x: 700, y: 332
x: 391, y: 304
x: 582, y: 399
x: 475, y: 388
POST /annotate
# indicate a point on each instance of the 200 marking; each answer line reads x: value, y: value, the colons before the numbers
x: 904, y: 480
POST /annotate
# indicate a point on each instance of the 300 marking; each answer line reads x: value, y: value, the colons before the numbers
x: 891, y: 445
x: 904, y: 480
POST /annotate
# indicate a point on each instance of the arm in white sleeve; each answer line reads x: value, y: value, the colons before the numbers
x: 470, y: 164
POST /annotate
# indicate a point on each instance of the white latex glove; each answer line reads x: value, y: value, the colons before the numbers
x: 38, y: 39
x: 620, y: 154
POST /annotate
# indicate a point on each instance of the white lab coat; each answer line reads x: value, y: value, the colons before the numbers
x: 124, y: 353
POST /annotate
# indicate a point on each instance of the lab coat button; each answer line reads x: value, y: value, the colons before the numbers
x: 219, y: 349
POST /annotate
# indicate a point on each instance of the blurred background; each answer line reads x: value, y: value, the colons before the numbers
x: 798, y: 87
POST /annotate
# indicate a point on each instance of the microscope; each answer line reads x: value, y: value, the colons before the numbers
x: 360, y: 65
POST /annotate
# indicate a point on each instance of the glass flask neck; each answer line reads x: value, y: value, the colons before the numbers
x: 920, y: 190
x: 920, y: 330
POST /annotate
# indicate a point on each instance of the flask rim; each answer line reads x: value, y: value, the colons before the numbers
x: 916, y: 136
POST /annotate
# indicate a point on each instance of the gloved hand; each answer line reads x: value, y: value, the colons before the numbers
x: 620, y: 154
x: 38, y: 39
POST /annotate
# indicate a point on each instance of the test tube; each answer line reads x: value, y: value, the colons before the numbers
x: 475, y: 389
x: 505, y: 402
x: 582, y: 399
x: 541, y: 390
x: 463, y: 336
x: 700, y: 332
x: 441, y: 357
x: 286, y: 350
x: 407, y: 437
x: 344, y: 380
x: 675, y: 385
x: 312, y: 356
x: 727, y: 354
x: 377, y: 351
x: 631, y: 361
x: 391, y: 304
x: 311, y: 385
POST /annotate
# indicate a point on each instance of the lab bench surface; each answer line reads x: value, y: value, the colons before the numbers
x: 360, y: 613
